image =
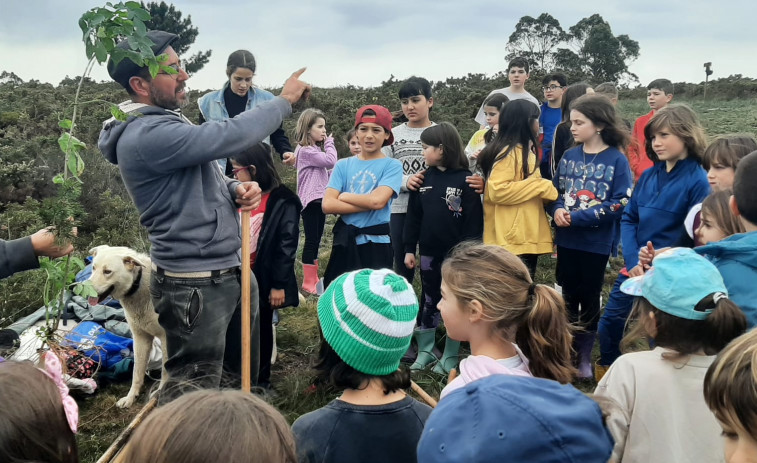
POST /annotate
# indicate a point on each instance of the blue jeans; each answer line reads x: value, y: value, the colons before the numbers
x: 613, y: 323
x: 202, y: 318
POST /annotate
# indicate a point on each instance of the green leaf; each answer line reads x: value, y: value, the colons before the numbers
x: 75, y: 164
x: 154, y: 68
x: 142, y: 15
x: 133, y: 5
x: 101, y: 53
x: 58, y: 179
x: 65, y: 124
x: 118, y: 114
x: 139, y: 26
x: 77, y: 290
x: 68, y: 143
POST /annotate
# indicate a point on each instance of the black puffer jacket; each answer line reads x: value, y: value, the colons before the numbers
x: 277, y: 246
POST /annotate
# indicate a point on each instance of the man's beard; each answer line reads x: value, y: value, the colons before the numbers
x: 168, y: 101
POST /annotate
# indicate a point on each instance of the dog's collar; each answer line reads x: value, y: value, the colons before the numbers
x: 135, y: 285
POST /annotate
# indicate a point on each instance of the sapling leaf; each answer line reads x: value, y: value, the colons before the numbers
x: 65, y: 124
x: 58, y: 179
x: 77, y: 290
x: 118, y: 114
x: 101, y: 53
x: 154, y: 68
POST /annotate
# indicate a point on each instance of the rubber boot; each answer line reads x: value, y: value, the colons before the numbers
x: 425, y: 338
x: 599, y: 371
x: 310, y: 277
x: 583, y: 344
x: 449, y: 359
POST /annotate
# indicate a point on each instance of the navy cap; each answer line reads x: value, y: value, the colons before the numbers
x: 126, y: 68
x: 504, y: 418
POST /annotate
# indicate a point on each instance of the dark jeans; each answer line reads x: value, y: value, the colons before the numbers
x: 581, y: 275
x: 612, y: 324
x: 313, y: 221
x: 531, y: 260
x: 431, y: 280
x: 202, y: 318
x: 397, y: 226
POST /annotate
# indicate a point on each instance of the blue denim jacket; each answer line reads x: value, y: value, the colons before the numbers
x: 213, y: 107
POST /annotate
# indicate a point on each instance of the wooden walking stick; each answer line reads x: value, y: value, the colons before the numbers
x: 423, y: 394
x: 246, y: 316
x: 117, y: 444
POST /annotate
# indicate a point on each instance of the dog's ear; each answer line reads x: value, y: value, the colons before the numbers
x: 130, y: 263
x: 93, y: 251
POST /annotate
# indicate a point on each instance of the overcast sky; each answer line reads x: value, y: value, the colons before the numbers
x: 364, y: 42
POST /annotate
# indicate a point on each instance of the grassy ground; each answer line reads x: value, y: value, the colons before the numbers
x: 297, y: 334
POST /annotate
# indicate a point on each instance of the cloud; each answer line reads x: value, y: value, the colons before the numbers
x: 363, y: 43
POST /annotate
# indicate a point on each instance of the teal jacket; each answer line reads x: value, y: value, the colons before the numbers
x: 736, y: 259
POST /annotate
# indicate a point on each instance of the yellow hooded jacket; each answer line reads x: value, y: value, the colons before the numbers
x: 514, y: 215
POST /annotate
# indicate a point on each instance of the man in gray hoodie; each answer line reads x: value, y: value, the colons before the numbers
x: 189, y: 210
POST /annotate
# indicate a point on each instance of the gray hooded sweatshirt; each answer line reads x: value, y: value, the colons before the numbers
x: 184, y: 201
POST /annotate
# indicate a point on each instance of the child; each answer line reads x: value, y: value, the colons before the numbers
x: 517, y: 74
x: 514, y: 192
x: 38, y: 418
x: 240, y: 94
x: 361, y: 190
x: 609, y: 90
x: 717, y: 220
x: 275, y: 232
x: 551, y: 115
x: 720, y: 160
x: 316, y: 156
x: 442, y: 213
x: 661, y: 199
x: 659, y: 94
x: 208, y: 425
x: 730, y: 390
x: 511, y: 419
x: 563, y: 139
x: 417, y: 102
x: 353, y: 142
x: 736, y: 256
x: 492, y: 108
x: 660, y: 414
x: 367, y: 317
x: 514, y: 326
x: 594, y: 181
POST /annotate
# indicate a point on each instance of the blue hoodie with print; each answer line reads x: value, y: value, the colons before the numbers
x: 594, y: 188
x: 736, y: 259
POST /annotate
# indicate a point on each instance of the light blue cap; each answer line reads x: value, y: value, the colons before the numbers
x: 677, y: 282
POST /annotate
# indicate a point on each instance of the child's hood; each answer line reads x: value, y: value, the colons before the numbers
x: 477, y: 367
x: 741, y: 248
x: 480, y: 366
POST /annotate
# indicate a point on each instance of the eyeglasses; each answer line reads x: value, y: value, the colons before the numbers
x: 234, y: 172
x: 551, y: 88
x: 176, y: 67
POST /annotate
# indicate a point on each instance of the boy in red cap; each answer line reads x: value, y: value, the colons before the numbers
x: 360, y: 191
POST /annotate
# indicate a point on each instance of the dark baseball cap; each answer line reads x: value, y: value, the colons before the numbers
x: 126, y: 68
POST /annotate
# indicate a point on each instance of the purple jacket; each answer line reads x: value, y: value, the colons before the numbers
x: 313, y: 170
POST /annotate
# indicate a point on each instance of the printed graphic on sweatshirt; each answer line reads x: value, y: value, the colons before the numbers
x: 593, y: 178
x: 454, y: 200
x: 363, y: 182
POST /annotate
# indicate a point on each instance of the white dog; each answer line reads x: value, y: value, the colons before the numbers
x: 124, y: 274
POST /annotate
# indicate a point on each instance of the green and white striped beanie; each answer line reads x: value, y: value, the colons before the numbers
x: 367, y: 317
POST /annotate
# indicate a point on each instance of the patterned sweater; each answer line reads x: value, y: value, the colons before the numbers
x: 407, y: 149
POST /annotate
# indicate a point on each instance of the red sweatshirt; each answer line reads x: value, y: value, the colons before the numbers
x: 637, y: 154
